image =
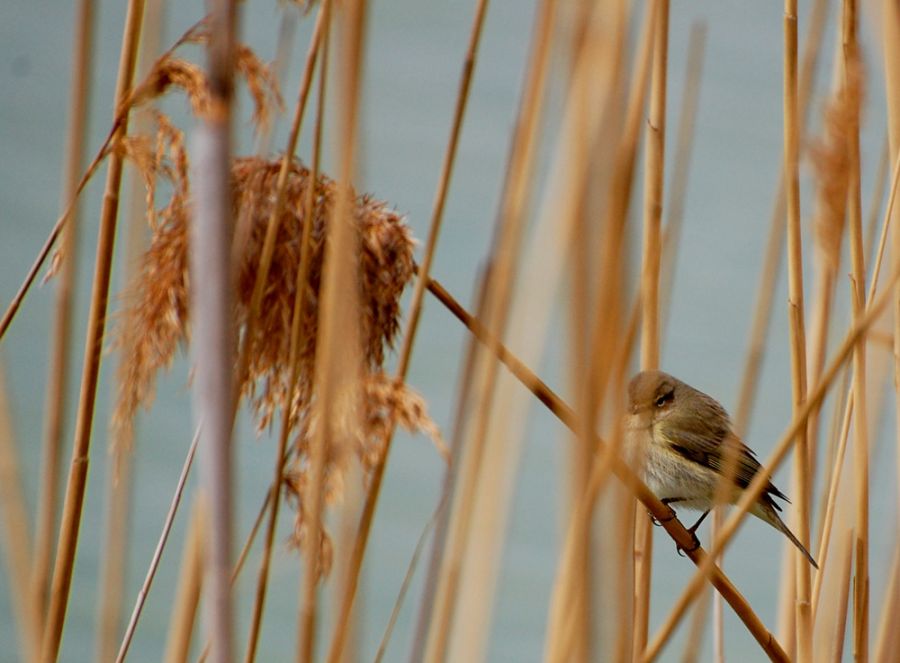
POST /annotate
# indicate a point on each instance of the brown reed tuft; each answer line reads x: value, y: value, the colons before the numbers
x: 383, y: 404
x: 171, y: 72
x: 156, y: 315
x: 830, y: 157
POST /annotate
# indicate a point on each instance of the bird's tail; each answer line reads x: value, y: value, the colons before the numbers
x: 767, y: 513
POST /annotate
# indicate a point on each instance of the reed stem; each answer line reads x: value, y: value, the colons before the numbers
x: 654, y: 155
x: 75, y: 490
x: 213, y: 331
x: 60, y: 352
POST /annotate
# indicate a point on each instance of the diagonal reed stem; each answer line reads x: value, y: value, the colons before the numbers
x: 656, y: 508
x: 158, y: 551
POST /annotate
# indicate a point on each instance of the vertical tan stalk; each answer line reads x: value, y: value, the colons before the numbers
x: 579, y: 189
x: 890, y: 25
x: 300, y: 298
x: 654, y: 156
x: 888, y: 639
x: 16, y: 538
x: 213, y: 325
x: 837, y: 653
x: 187, y: 598
x: 120, y: 462
x: 832, y: 492
x: 765, y: 295
x: 74, y: 501
x: 451, y: 626
x: 607, y: 366
x: 265, y: 260
x: 60, y: 352
x: 354, y: 565
x: 775, y: 243
x: 684, y: 141
x: 858, y: 299
x: 337, y: 345
x: 837, y: 460
x: 797, y: 327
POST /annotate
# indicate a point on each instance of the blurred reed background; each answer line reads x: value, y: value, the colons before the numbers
x: 464, y: 226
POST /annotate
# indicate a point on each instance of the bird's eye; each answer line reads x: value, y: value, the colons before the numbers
x: 663, y: 399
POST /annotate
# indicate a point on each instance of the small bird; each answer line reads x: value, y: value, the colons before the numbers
x: 685, y: 442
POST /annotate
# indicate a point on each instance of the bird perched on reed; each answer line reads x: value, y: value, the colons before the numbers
x: 686, y: 446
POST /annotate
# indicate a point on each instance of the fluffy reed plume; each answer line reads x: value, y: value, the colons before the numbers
x: 381, y: 405
x: 170, y: 72
x: 156, y: 316
x: 830, y: 158
x: 157, y: 308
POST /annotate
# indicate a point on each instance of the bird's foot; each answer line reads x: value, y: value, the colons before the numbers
x: 695, y: 543
x: 656, y: 521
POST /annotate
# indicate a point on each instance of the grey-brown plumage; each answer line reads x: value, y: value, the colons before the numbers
x: 685, y: 442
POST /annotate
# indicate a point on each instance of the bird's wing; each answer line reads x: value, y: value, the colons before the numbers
x: 715, y: 450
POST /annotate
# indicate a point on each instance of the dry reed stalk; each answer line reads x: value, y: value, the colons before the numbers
x: 18, y: 540
x: 294, y: 351
x: 890, y: 40
x: 762, y: 316
x: 797, y: 326
x: 575, y: 474
x: 120, y: 462
x: 576, y: 193
x: 851, y: 75
x: 74, y: 501
x: 60, y: 352
x: 887, y: 641
x: 830, y: 156
x: 837, y: 653
x: 832, y: 491
x: 775, y: 243
x: 338, y: 366
x: 157, y: 553
x: 624, y: 473
x: 832, y: 485
x: 814, y: 399
x: 414, y: 311
x: 450, y: 476
x: 187, y: 598
x: 684, y: 141
x: 880, y: 184
x: 116, y: 131
x: 212, y: 282
x: 654, y: 157
x: 604, y: 333
x: 671, y: 238
x: 115, y: 547
x: 451, y: 627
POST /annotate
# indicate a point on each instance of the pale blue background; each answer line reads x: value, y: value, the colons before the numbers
x: 412, y: 68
